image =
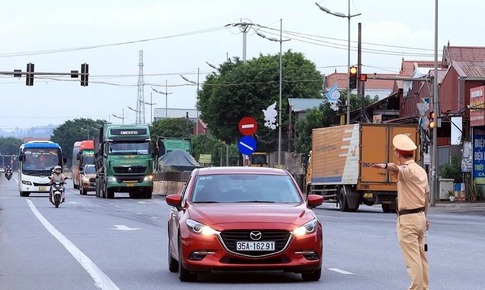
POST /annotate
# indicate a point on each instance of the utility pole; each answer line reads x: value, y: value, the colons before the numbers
x: 434, y: 103
x: 140, y: 103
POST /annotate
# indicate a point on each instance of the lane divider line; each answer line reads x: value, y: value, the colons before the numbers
x: 101, y: 280
x: 340, y: 271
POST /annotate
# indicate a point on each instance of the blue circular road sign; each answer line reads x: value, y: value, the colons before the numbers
x: 246, y: 145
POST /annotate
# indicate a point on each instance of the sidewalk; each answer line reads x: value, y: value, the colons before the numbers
x: 475, y: 207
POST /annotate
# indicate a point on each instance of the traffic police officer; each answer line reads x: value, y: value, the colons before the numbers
x: 412, y: 204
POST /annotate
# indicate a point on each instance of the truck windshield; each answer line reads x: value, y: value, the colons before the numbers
x: 129, y: 148
x: 87, y: 158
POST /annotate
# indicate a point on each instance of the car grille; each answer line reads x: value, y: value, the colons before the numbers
x: 41, y: 184
x: 281, y: 238
x: 130, y: 169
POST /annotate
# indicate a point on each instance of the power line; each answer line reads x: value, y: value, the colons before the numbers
x: 60, y: 50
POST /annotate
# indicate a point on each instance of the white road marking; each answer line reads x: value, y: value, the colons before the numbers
x: 341, y: 271
x: 101, y: 280
x: 124, y: 228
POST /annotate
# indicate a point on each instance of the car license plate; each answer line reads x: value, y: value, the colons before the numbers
x: 42, y: 188
x: 255, y: 246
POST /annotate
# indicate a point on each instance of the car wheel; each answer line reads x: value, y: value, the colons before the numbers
x: 312, y: 275
x: 184, y: 274
x: 173, y: 265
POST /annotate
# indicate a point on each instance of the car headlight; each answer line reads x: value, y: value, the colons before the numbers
x: 148, y: 178
x: 112, y: 179
x: 308, y: 228
x: 199, y: 228
x: 26, y: 182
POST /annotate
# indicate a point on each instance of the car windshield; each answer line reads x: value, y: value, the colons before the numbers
x: 245, y: 188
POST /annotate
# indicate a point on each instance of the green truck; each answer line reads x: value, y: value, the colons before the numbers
x: 166, y: 145
x: 123, y: 160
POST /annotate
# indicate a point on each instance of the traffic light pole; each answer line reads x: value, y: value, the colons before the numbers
x: 29, y: 74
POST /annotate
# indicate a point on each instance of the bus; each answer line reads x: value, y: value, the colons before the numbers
x: 82, y: 153
x: 36, y: 161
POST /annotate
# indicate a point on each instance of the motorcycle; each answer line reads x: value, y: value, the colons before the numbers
x: 8, y: 175
x: 57, y: 192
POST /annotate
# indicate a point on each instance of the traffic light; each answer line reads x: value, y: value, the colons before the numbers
x: 431, y: 120
x: 29, y: 77
x: 363, y: 77
x: 84, y: 74
x: 353, y: 77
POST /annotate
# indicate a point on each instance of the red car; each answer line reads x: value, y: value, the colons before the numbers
x: 243, y: 218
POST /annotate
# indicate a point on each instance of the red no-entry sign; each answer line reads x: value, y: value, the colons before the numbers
x: 248, y: 126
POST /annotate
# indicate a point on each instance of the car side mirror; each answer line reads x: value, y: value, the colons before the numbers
x: 314, y: 200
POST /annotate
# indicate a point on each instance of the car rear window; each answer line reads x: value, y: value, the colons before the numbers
x: 241, y: 188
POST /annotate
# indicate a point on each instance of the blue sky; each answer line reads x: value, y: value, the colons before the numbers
x: 179, y: 37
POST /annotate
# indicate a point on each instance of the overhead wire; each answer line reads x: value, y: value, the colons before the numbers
x: 60, y: 50
x: 297, y: 36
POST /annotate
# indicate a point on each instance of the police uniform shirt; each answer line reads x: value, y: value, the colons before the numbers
x: 412, y: 186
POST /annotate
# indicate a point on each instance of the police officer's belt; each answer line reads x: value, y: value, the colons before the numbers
x: 409, y: 211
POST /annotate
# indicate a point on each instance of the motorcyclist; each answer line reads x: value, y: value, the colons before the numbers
x: 8, y: 171
x: 57, y: 175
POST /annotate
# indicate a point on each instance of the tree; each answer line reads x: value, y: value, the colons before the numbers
x: 10, y: 145
x: 75, y: 130
x: 208, y: 144
x: 172, y: 127
x: 240, y: 89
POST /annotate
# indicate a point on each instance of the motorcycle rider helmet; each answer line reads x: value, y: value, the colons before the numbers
x: 57, y: 169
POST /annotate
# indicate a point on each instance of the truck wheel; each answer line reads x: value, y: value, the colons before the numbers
x: 97, y: 187
x: 342, y: 200
x: 110, y: 193
x: 148, y: 193
x: 386, y: 208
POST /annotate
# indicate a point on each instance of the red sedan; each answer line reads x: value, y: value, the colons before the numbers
x: 244, y: 218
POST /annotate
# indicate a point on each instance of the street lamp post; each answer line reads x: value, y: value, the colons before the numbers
x: 134, y: 110
x: 151, y: 107
x: 348, y: 16
x: 122, y: 116
x: 196, y: 96
x: 280, y: 40
x: 166, y: 97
